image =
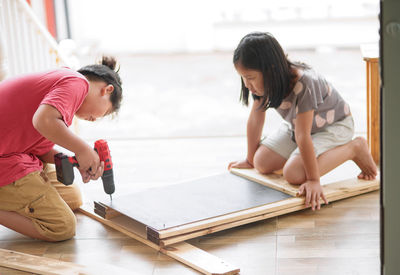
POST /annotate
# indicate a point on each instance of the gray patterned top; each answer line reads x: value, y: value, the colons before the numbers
x: 313, y: 92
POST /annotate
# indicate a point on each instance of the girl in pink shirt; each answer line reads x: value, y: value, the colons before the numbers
x: 35, y: 113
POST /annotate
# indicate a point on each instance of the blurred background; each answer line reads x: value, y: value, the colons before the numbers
x: 181, y: 93
x: 175, y: 56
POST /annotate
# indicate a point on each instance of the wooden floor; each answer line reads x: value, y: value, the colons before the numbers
x: 342, y: 238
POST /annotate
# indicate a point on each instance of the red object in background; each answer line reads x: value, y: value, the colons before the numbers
x: 50, y: 17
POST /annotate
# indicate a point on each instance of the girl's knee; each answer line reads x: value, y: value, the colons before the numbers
x: 266, y: 161
x: 293, y: 179
x: 71, y: 194
x: 294, y: 174
x: 68, y: 228
x: 58, y: 230
x: 261, y: 166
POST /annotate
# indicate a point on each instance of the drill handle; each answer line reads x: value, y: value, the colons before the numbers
x: 64, y: 168
x: 73, y: 161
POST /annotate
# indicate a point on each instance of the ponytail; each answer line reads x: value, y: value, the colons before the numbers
x: 106, y: 71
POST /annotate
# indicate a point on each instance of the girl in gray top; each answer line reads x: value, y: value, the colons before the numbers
x: 317, y: 135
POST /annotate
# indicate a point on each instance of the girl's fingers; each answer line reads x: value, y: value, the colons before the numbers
x: 324, y: 198
x: 301, y: 190
x: 318, y: 202
x: 233, y: 164
x: 308, y: 198
x: 99, y: 171
x: 313, y: 201
x: 85, y: 177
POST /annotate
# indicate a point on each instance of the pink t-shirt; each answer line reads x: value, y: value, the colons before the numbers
x: 20, y: 97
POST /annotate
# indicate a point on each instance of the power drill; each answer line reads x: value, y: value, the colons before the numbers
x: 65, y: 164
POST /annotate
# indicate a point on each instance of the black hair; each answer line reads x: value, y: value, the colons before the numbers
x: 105, y: 71
x: 261, y: 51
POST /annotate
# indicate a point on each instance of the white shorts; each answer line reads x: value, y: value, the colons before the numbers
x: 339, y: 133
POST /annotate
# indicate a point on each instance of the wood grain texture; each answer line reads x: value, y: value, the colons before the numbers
x: 183, y: 252
x: 35, y: 264
x: 279, y: 183
x: 274, y: 181
x: 371, y: 57
x: 49, y: 266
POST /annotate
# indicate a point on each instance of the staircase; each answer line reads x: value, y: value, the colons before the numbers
x: 25, y: 44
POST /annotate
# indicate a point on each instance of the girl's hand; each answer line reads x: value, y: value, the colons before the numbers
x: 87, y: 175
x: 313, y: 192
x: 89, y: 163
x: 242, y: 164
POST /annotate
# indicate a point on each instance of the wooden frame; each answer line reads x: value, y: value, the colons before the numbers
x: 171, y: 240
x: 182, y: 252
x: 371, y: 58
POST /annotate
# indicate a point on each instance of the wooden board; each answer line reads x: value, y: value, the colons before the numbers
x: 183, y: 252
x: 298, y: 202
x: 48, y: 266
x: 188, y: 202
x: 277, y: 182
x: 169, y: 240
x: 41, y: 265
x: 273, y: 181
x: 339, y: 190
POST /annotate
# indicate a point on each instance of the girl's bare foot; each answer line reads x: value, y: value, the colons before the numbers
x: 363, y: 159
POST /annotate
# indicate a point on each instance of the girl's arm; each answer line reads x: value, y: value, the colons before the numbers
x: 312, y: 186
x: 48, y: 121
x: 49, y: 156
x: 255, y: 125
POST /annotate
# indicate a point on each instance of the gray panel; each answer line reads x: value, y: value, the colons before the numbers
x: 191, y: 201
x: 390, y: 114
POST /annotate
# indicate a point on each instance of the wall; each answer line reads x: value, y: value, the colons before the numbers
x: 157, y: 26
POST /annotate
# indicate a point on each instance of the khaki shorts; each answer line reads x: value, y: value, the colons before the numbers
x: 47, y: 202
x: 339, y: 133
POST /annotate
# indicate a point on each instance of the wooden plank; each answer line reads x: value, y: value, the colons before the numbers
x: 300, y: 206
x: 183, y: 252
x: 104, y: 211
x: 370, y: 53
x: 187, y: 228
x: 47, y: 266
x: 36, y: 264
x: 375, y: 112
x: 278, y: 182
x: 274, y: 181
x: 170, y: 240
x: 347, y: 186
x: 334, y: 191
x: 353, y: 186
x: 204, y: 262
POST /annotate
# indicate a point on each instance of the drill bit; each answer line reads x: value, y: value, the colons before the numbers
x: 111, y: 197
